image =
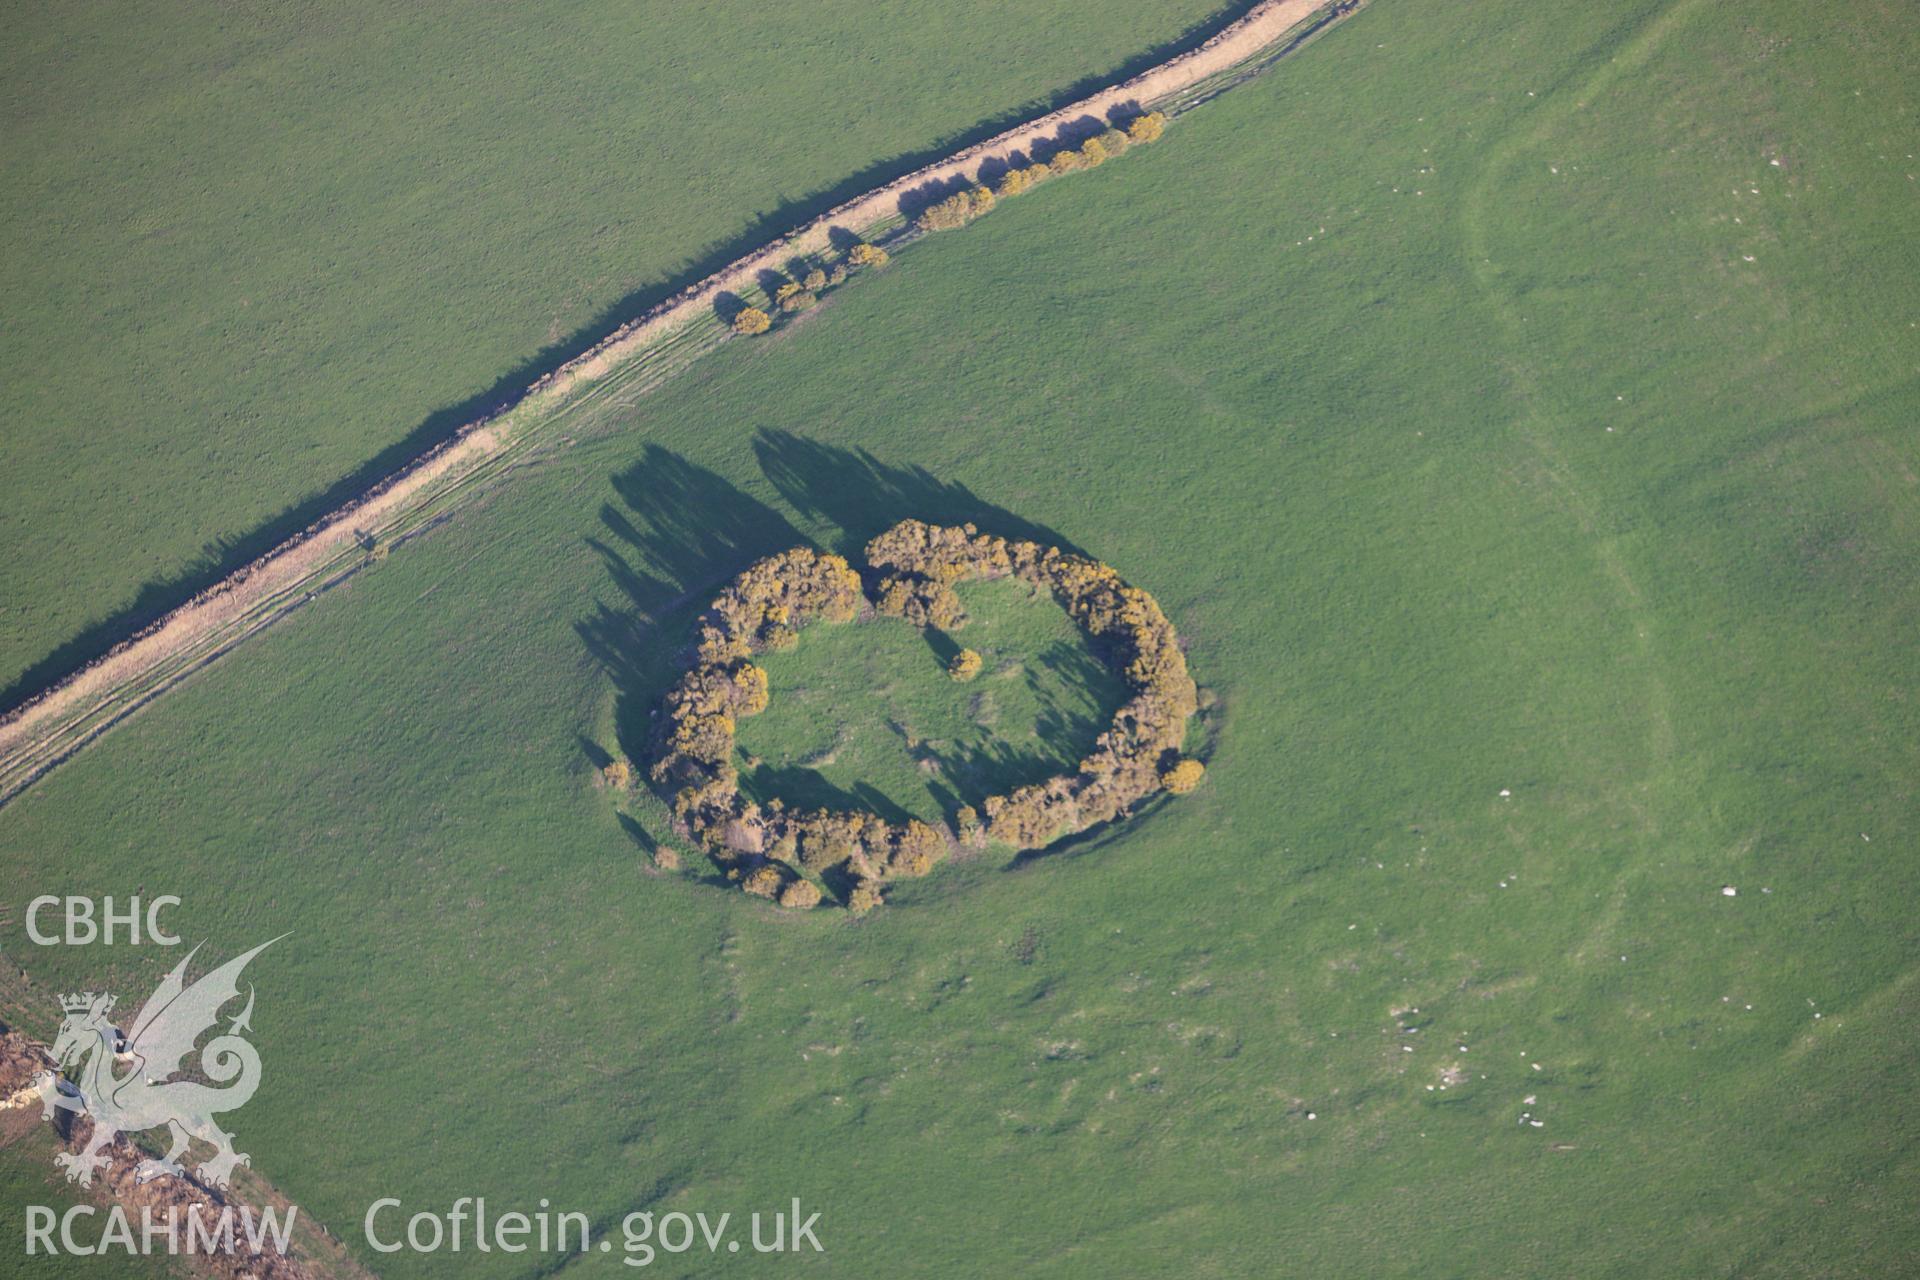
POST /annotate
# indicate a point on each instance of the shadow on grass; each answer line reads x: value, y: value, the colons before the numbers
x: 1067, y: 135
x: 1075, y: 708
x: 1093, y: 839
x: 802, y: 788
x: 675, y: 535
x: 640, y: 835
x: 679, y: 532
x: 945, y: 648
x: 227, y: 554
x: 863, y: 496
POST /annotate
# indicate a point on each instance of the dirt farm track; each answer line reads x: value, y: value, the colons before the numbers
x: 39, y: 734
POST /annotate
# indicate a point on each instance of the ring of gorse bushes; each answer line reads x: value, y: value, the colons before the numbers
x: 776, y: 852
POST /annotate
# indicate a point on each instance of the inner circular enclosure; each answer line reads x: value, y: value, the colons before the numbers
x: 865, y: 716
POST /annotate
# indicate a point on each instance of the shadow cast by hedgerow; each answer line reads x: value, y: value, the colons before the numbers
x: 863, y: 496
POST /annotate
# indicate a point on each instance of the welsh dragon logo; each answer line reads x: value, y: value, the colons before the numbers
x: 132, y: 1081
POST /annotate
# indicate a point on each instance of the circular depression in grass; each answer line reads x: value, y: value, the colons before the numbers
x: 866, y: 716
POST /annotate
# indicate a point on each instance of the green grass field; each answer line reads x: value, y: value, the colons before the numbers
x: 256, y: 260
x: 865, y: 716
x: 27, y: 1176
x: 1527, y: 460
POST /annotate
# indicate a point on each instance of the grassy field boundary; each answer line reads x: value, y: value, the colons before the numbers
x: 641, y: 355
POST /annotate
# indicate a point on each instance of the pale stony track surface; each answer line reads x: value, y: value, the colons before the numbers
x: 1262, y: 27
x: 40, y: 734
